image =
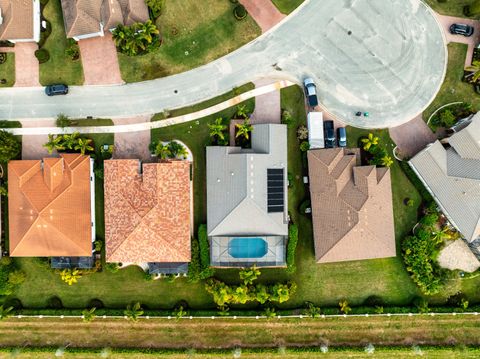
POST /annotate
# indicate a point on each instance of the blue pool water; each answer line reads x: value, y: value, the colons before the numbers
x: 247, y: 247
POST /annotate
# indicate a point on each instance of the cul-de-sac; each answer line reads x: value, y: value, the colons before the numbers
x: 239, y: 179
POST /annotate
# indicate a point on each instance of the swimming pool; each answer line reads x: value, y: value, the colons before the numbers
x: 247, y: 247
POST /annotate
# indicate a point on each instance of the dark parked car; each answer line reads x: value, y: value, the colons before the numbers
x: 53, y: 90
x: 311, y: 92
x: 342, y: 137
x: 461, y: 29
x: 330, y: 140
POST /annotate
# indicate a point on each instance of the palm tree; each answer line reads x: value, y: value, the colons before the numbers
x: 369, y: 142
x: 70, y: 276
x: 70, y: 141
x: 177, y: 150
x: 386, y: 161
x: 51, y: 144
x: 88, y: 315
x: 83, y: 145
x: 5, y: 312
x: 133, y: 311
x: 217, y: 129
x: 242, y: 111
x: 475, y: 68
x: 249, y: 275
x: 344, y: 307
x: 162, y: 151
x: 243, y: 129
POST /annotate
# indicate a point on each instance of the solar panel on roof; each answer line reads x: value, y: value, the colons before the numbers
x: 275, y: 190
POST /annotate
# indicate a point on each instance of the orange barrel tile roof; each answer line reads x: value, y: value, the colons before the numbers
x: 351, y: 207
x: 50, y: 207
x: 147, y: 215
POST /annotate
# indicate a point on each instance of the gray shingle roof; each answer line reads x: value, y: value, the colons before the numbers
x: 237, y: 185
x: 452, y: 176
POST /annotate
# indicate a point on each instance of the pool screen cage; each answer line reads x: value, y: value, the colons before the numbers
x: 274, y: 257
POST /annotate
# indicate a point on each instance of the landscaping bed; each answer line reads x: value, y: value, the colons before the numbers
x: 193, y: 33
x: 7, y: 69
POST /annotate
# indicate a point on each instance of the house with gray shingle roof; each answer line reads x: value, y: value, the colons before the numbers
x: 20, y: 20
x: 84, y: 19
x: 352, y: 212
x: 452, y: 175
x: 247, y: 212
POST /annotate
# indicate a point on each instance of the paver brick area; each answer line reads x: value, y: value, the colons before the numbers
x: 26, y: 65
x: 265, y: 14
x: 412, y: 136
x: 99, y: 60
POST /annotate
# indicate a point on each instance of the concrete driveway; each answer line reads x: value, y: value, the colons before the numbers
x: 267, y: 107
x: 32, y: 145
x: 387, y: 58
x: 412, y: 137
x: 99, y: 61
x: 26, y: 64
x: 471, y: 41
x: 132, y: 145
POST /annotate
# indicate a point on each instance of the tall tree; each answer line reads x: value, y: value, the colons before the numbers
x: 9, y: 146
x: 243, y: 129
x: 83, y: 145
x: 369, y: 142
x: 162, y: 151
x: 177, y: 150
x: 217, y: 129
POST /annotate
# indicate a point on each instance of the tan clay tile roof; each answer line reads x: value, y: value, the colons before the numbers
x: 49, y: 207
x: 17, y: 19
x: 147, y: 216
x: 351, y: 207
x: 82, y: 17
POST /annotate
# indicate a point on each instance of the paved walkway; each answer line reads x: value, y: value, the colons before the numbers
x: 133, y: 144
x: 265, y: 14
x: 146, y: 126
x: 26, y: 64
x: 390, y: 61
x: 99, y: 61
x: 32, y: 145
x: 412, y: 137
x: 267, y: 107
x: 471, y: 41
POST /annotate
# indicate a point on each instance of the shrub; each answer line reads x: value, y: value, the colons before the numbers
x: 16, y: 277
x: 3, y: 57
x: 287, y: 118
x: 63, y: 121
x: 304, y: 146
x: 9, y: 146
x: 42, y: 55
x: 95, y: 303
x: 373, y: 301
x: 291, y: 248
x: 204, y: 246
x: 72, y: 50
x: 54, y: 303
x: 240, y: 12
x: 302, y: 132
x: 156, y: 6
x: 112, y: 267
x: 15, y: 303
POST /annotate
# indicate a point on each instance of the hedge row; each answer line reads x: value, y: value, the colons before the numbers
x: 291, y: 248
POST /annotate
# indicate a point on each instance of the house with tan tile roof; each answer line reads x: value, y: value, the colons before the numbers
x: 148, y: 214
x: 352, y: 210
x: 84, y: 19
x: 247, y: 210
x: 51, y: 207
x: 20, y: 20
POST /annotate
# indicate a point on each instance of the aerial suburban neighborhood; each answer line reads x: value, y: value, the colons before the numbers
x: 239, y: 178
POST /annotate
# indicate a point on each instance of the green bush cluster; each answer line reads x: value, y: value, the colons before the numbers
x: 10, y: 147
x: 42, y: 55
x: 224, y: 294
x: 137, y: 39
x: 419, y: 254
x: 291, y: 248
x: 377, y: 152
x: 72, y: 50
x: 155, y: 6
x: 449, y: 116
x: 199, y: 266
x: 69, y: 143
x: 10, y: 276
x: 3, y: 57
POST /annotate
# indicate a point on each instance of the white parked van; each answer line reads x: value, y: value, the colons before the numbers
x: 315, y: 130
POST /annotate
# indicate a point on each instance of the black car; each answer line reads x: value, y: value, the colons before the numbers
x: 330, y: 140
x: 311, y: 92
x: 342, y: 137
x: 461, y: 29
x: 53, y: 90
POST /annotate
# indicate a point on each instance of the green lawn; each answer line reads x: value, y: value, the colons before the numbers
x: 59, y: 69
x: 453, y: 89
x: 287, y: 6
x: 7, y: 70
x: 194, y: 33
x: 449, y: 7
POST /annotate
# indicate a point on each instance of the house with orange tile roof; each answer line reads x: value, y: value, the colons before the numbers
x: 20, y: 20
x: 352, y: 211
x: 148, y: 214
x: 51, y: 207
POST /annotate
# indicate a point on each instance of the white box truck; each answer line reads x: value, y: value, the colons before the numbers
x: 315, y: 130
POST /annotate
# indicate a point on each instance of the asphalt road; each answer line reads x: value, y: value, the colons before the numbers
x: 387, y: 58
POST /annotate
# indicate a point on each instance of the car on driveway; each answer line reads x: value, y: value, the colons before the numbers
x: 342, y: 137
x: 461, y: 29
x: 330, y: 140
x: 54, y: 90
x: 310, y: 92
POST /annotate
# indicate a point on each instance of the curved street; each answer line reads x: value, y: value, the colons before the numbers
x: 386, y: 58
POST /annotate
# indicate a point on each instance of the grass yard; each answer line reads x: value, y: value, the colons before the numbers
x: 449, y: 7
x: 7, y: 70
x: 287, y: 6
x: 194, y: 33
x: 59, y: 69
x: 246, y: 333
x: 453, y: 89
